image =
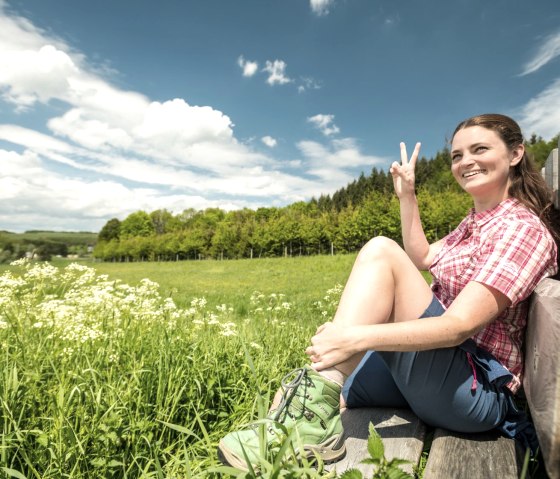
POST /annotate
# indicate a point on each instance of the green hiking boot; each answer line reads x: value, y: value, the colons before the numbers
x: 309, y: 409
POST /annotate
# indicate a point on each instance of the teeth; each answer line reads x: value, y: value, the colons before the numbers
x: 472, y: 173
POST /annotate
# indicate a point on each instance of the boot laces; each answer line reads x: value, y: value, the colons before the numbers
x: 290, y: 385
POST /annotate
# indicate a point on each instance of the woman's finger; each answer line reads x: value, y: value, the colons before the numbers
x: 414, y: 156
x: 404, y: 156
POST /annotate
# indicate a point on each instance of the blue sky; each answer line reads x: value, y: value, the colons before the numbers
x: 109, y: 107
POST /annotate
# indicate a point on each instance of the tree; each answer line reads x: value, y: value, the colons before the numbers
x: 111, y: 230
x: 137, y: 224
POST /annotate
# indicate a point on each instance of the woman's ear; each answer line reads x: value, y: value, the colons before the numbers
x: 517, y: 154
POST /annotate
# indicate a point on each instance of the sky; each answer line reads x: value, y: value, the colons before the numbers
x: 114, y: 106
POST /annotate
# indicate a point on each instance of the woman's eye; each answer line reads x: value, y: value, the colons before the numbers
x: 455, y: 158
x: 481, y: 148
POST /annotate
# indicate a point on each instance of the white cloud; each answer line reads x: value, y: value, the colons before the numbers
x: 269, y: 141
x: 249, y: 67
x: 276, y: 71
x: 547, y: 51
x: 336, y: 162
x: 105, y: 152
x: 541, y: 115
x: 308, y: 84
x: 324, y: 123
x: 320, y: 7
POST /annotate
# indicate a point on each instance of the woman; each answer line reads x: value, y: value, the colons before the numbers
x: 452, y: 351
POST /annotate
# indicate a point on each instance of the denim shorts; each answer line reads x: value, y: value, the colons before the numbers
x: 459, y: 388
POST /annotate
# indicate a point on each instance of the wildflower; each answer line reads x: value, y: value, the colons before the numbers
x: 20, y: 262
x: 228, y: 332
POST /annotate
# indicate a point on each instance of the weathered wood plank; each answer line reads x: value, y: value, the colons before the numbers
x: 401, y: 431
x: 542, y: 371
x: 471, y: 456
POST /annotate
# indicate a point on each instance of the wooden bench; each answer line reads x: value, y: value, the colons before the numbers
x: 476, y: 456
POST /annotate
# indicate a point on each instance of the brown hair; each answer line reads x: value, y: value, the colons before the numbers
x: 527, y: 184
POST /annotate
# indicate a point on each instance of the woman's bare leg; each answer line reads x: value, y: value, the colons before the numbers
x: 384, y: 286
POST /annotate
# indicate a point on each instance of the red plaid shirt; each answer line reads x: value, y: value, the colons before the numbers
x: 509, y: 249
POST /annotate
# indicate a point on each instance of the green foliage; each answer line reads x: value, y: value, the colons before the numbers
x: 44, y: 244
x: 383, y: 468
x: 341, y: 223
x: 103, y: 379
x: 138, y: 224
x: 111, y: 230
x: 540, y: 149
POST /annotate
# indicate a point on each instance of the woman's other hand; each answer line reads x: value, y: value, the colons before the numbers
x: 331, y: 345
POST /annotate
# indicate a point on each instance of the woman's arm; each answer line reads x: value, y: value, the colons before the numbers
x: 415, y: 243
x: 475, y: 307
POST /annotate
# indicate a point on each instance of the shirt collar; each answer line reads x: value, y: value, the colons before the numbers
x: 483, y: 217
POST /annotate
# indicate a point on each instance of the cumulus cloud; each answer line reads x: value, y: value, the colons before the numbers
x: 324, y: 123
x: 542, y: 113
x: 105, y: 152
x: 269, y: 141
x: 334, y: 162
x: 547, y: 51
x: 320, y: 7
x: 249, y: 67
x: 276, y: 72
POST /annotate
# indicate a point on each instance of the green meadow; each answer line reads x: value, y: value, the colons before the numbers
x: 303, y: 279
x: 136, y: 370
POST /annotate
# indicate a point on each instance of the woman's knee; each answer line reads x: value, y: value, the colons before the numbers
x: 379, y: 247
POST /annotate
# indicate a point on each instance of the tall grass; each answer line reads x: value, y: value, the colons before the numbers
x: 105, y: 379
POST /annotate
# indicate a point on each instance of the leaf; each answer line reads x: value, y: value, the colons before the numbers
x: 375, y: 445
x: 397, y: 462
x: 178, y: 428
x: 13, y: 473
x: 352, y: 474
x: 396, y: 473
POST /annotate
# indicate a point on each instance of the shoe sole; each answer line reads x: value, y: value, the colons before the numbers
x: 330, y: 451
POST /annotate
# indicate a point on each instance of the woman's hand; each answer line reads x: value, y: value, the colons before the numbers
x: 403, y: 174
x: 331, y: 345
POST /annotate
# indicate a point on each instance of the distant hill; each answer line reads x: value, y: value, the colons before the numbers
x: 45, y: 244
x: 67, y: 237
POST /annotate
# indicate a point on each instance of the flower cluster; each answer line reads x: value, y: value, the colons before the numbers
x: 77, y: 306
x: 330, y: 302
x: 273, y: 307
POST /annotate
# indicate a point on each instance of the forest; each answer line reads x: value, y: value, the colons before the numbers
x: 339, y: 223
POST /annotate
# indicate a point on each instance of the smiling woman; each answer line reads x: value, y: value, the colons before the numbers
x: 451, y: 352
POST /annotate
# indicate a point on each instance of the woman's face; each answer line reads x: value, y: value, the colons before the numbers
x: 481, y: 162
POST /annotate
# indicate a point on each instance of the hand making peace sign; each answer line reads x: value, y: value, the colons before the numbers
x: 403, y: 174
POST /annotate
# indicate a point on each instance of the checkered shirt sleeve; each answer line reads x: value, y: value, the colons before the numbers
x: 518, y: 258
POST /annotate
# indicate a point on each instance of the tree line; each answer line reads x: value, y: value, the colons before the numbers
x: 339, y: 223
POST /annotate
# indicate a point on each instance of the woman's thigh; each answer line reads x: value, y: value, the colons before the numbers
x: 439, y: 386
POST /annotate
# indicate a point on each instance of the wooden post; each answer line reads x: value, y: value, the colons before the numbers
x: 550, y: 173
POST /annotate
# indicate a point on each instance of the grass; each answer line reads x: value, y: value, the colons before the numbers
x: 303, y: 279
x: 108, y: 374
x: 131, y: 379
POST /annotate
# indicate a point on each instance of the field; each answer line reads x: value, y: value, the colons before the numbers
x: 107, y: 374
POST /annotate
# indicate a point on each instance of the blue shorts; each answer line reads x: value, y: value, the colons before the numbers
x: 460, y: 388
